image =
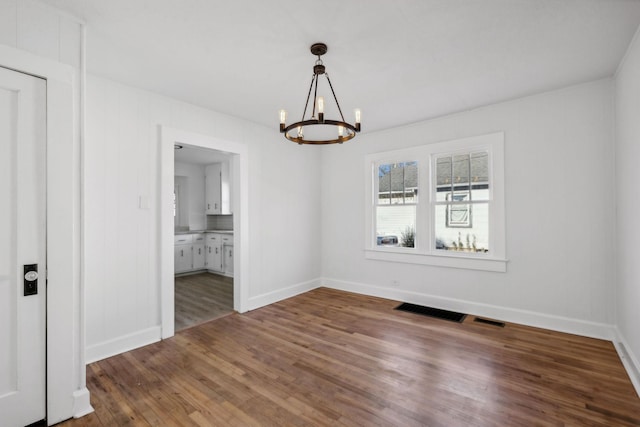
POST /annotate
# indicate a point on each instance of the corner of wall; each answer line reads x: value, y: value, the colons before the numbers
x: 629, y: 360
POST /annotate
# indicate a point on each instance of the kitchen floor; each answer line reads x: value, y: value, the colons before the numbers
x: 202, y: 297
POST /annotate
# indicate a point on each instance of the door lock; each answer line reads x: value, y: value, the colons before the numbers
x: 30, y: 279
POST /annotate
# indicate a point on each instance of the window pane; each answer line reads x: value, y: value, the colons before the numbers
x: 398, y: 183
x: 384, y: 184
x: 411, y: 182
x: 443, y: 178
x: 461, y: 168
x: 480, y: 175
x: 395, y: 225
x: 462, y: 227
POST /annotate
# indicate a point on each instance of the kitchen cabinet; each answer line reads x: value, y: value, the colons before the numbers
x: 220, y: 253
x: 214, y: 252
x: 189, y: 253
x: 199, y: 255
x: 228, y: 259
x: 217, y: 189
x: 182, y: 254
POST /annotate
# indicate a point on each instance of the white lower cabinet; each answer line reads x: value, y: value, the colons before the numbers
x: 214, y: 254
x: 220, y: 253
x: 182, y: 258
x: 228, y: 260
x: 189, y: 253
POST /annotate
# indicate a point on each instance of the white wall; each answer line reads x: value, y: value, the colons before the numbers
x: 559, y: 169
x: 122, y: 239
x: 196, y: 218
x: 628, y: 205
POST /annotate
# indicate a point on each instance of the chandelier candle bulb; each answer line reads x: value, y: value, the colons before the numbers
x: 357, y: 112
x: 283, y: 119
x: 340, y: 130
x: 320, y: 109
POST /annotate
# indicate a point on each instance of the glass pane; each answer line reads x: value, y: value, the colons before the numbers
x: 411, y: 182
x: 480, y: 175
x: 443, y: 178
x: 384, y: 184
x: 462, y: 227
x: 397, y: 183
x: 395, y: 225
x: 461, y: 168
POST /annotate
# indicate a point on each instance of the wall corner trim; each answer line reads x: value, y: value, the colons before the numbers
x: 629, y: 360
x: 81, y: 403
x: 281, y: 294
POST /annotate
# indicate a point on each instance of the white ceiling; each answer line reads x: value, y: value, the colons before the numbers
x: 399, y: 61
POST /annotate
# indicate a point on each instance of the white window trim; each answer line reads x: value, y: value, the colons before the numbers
x: 495, y: 260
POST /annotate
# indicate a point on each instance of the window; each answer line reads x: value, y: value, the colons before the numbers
x: 439, y: 204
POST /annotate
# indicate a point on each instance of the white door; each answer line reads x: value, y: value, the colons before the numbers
x: 22, y: 243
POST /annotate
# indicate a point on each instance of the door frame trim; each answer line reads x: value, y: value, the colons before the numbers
x: 168, y: 137
x: 67, y: 395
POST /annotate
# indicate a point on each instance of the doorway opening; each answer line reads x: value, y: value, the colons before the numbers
x: 201, y: 231
x: 203, y: 226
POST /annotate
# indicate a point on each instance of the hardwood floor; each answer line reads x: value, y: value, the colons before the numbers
x: 201, y: 297
x: 334, y: 358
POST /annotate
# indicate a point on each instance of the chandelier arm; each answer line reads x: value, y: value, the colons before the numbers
x: 334, y: 96
x: 308, y: 95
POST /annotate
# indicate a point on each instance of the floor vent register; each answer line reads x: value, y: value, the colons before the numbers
x: 451, y: 316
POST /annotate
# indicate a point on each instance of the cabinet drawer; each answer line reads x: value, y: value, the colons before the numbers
x: 182, y: 239
x: 227, y: 239
x: 198, y: 238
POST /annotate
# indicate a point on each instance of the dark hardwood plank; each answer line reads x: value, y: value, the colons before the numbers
x: 335, y: 358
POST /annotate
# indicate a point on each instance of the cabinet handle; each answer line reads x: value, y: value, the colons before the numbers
x: 215, y: 206
x: 216, y: 250
x: 208, y: 206
x: 230, y: 253
x: 209, y: 249
x: 181, y: 252
x: 199, y: 253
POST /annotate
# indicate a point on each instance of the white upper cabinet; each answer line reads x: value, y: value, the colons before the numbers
x: 217, y: 189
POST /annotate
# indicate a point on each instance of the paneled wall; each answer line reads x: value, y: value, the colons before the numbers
x: 39, y: 29
x: 628, y: 204
x: 121, y: 240
x: 560, y: 197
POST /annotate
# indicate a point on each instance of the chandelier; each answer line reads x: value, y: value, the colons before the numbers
x: 319, y: 130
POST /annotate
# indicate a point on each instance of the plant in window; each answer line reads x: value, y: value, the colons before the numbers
x: 408, y: 237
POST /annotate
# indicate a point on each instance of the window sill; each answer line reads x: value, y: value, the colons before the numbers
x: 452, y: 261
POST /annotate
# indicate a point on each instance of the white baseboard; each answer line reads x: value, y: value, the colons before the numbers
x: 81, y: 403
x: 629, y: 360
x: 121, y: 344
x: 524, y: 317
x: 275, y: 296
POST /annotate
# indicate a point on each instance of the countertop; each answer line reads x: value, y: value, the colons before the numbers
x: 204, y: 231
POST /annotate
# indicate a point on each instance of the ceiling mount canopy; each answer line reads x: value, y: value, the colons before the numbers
x: 339, y: 130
